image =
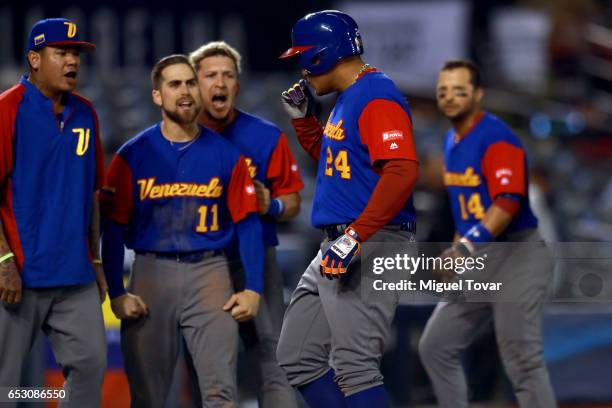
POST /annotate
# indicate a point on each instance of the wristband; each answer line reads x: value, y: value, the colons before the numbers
x: 6, y: 256
x: 478, y: 233
x: 350, y: 231
x: 97, y: 261
x: 465, y: 246
x: 276, y: 207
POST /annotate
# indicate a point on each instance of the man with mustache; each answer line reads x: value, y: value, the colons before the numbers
x: 277, y: 181
x: 485, y: 173
x: 176, y: 194
x: 51, y: 164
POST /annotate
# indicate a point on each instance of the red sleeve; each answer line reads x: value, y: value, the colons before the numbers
x: 116, y: 197
x: 9, y: 102
x: 387, y: 131
x: 509, y: 205
x: 283, y: 171
x: 100, y: 172
x: 241, y: 198
x: 310, y: 135
x: 393, y: 189
x: 503, y: 166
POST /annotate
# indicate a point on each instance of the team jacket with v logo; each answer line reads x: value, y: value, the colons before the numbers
x: 49, y: 169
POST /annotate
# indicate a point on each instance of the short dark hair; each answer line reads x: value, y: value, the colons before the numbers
x: 156, y: 72
x: 467, y: 64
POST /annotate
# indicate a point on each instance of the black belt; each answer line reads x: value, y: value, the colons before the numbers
x: 334, y: 231
x: 183, y: 257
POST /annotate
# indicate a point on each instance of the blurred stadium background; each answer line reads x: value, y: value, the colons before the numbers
x: 547, y: 69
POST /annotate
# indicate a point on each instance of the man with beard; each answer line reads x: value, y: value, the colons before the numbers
x: 485, y: 173
x: 277, y: 181
x: 176, y: 194
x: 51, y: 163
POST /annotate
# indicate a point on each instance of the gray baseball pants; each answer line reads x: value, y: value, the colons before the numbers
x: 71, y: 318
x: 329, y: 323
x: 517, y: 324
x: 260, y: 335
x: 184, y: 299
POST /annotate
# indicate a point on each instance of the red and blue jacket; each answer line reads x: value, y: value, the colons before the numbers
x: 487, y: 162
x: 50, y: 167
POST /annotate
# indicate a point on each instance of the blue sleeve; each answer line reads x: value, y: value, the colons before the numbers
x: 113, y: 254
x: 251, y: 251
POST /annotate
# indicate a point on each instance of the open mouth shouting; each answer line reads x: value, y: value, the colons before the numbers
x: 219, y: 101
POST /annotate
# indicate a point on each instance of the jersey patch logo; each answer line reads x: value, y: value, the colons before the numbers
x: 152, y: 191
x: 393, y: 146
x: 503, y: 172
x: 334, y: 132
x: 393, y: 135
x: 250, y: 189
x: 466, y: 179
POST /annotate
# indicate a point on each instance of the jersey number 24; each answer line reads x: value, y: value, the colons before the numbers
x: 340, y: 163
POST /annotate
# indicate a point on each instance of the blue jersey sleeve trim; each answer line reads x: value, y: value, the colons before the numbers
x: 251, y: 251
x: 112, y: 256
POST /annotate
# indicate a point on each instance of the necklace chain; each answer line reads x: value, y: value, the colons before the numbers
x: 188, y: 144
x: 363, y: 68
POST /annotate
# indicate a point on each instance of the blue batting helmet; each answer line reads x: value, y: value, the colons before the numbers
x: 322, y: 39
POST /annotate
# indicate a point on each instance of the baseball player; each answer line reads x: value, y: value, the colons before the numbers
x: 51, y: 164
x: 176, y: 194
x: 486, y: 178
x: 277, y: 181
x: 332, y: 340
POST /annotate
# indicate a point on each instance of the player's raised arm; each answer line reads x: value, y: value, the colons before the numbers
x: 298, y: 103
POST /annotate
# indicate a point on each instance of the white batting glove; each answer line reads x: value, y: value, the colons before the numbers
x: 297, y: 100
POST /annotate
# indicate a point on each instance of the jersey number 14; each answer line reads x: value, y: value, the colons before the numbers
x: 473, y: 206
